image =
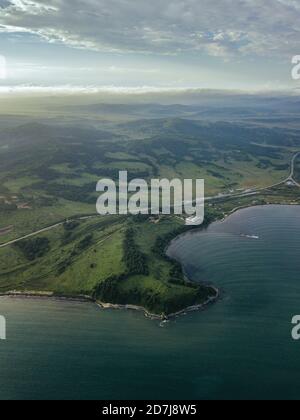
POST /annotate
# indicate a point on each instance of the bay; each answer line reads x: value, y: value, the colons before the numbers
x: 239, y: 348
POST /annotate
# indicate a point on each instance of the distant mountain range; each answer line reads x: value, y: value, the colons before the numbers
x: 255, y: 109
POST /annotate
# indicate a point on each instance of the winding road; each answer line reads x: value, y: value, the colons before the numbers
x: 254, y: 191
x: 292, y: 174
x: 290, y: 179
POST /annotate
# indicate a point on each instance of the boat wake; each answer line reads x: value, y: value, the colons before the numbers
x: 250, y: 236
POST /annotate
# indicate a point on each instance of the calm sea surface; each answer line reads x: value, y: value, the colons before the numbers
x: 239, y: 348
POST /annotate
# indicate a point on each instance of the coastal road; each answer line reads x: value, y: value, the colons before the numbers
x: 247, y: 193
x: 254, y: 191
x: 292, y: 174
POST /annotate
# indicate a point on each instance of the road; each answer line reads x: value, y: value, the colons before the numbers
x: 292, y: 174
x: 254, y: 191
x: 235, y: 195
x: 46, y: 229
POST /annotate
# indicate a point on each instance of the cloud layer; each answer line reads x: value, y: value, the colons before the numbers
x: 218, y: 28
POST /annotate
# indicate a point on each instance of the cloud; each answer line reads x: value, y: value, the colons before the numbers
x: 217, y: 28
x: 92, y: 90
x: 138, y: 91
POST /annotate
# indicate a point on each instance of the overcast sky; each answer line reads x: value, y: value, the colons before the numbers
x: 219, y: 44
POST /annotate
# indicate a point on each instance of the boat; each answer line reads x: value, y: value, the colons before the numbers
x: 250, y: 236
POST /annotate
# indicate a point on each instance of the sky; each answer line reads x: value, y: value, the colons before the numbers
x: 141, y: 44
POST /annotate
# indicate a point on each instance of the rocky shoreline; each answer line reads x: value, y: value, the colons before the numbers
x: 103, y: 305
x: 46, y: 295
x: 148, y: 314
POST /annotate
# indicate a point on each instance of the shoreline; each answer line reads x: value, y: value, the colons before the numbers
x: 46, y: 295
x: 105, y: 306
x: 129, y: 307
x: 246, y: 206
x: 147, y: 314
x: 189, y: 309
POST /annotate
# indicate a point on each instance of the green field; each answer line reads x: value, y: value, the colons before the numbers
x: 69, y: 268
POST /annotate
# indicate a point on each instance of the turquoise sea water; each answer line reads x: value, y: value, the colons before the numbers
x: 240, y: 347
